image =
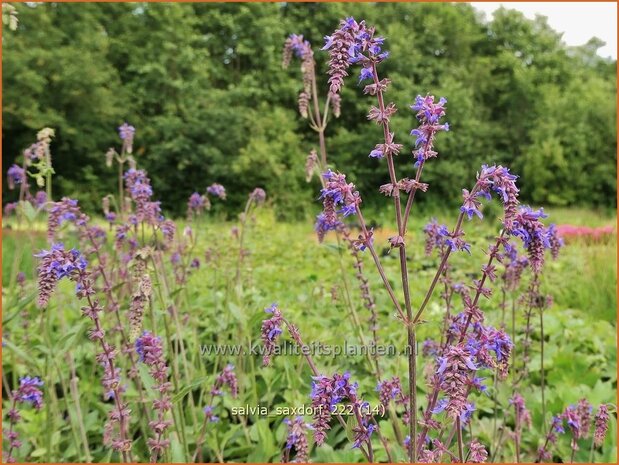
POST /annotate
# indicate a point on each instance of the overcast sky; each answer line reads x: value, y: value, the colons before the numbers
x: 578, y: 21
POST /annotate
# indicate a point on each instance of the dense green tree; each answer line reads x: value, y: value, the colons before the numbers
x: 204, y: 87
x: 56, y: 74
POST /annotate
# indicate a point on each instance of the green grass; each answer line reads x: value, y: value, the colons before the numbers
x: 315, y: 287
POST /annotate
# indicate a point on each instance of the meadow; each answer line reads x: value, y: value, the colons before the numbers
x: 315, y: 285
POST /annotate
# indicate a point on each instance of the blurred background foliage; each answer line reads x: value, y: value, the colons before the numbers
x: 204, y: 87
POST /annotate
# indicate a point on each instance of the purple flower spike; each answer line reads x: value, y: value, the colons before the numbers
x: 336, y: 192
x: 208, y: 412
x: 271, y: 329
x: 584, y: 411
x: 352, y: 43
x: 63, y: 211
x: 499, y: 180
x: 339, y: 45
x: 10, y: 208
x: 479, y: 454
x: 258, y: 195
x: 429, y: 114
x: 454, y: 371
x: 522, y: 413
x: 217, y: 190
x: 554, y: 241
x: 196, y: 203
x: 150, y: 350
x: 436, y: 235
x: 139, y: 187
x: 527, y: 225
x: 227, y: 378
x: 327, y: 392
x: 297, y: 440
x: 15, y: 175
x: 389, y: 390
x: 601, y: 425
x: 297, y: 46
x: 29, y: 392
x: 55, y: 264
x: 40, y: 199
x: 126, y: 133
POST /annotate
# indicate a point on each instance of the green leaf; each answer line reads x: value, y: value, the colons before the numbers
x: 178, y: 455
x: 40, y: 452
x: 68, y: 341
x: 20, y: 353
x: 351, y: 423
x: 236, y: 311
x: 29, y: 212
x: 187, y: 388
x: 177, y: 291
x: 261, y: 433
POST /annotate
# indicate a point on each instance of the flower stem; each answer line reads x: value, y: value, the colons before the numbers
x: 320, y: 129
x: 379, y: 266
x: 412, y: 355
x: 517, y: 434
x: 122, y: 420
x: 121, y: 188
x: 48, y: 174
x: 411, y: 197
x: 241, y: 239
x: 543, y: 376
x: 9, y: 455
x: 459, y: 433
x: 200, y: 441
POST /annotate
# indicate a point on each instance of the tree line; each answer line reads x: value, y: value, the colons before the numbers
x: 204, y: 86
